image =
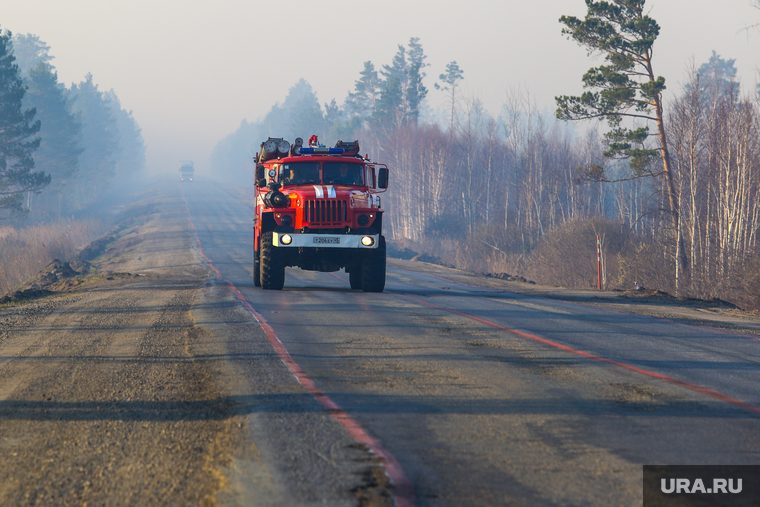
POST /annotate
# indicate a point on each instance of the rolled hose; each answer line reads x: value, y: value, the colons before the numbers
x: 275, y: 199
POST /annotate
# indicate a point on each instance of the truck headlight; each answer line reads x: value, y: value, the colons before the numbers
x: 286, y: 239
x: 368, y: 241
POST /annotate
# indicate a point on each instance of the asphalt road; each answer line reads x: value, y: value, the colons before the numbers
x: 489, y: 397
x: 186, y: 385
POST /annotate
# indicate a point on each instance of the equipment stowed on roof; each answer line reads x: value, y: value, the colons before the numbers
x: 275, y: 147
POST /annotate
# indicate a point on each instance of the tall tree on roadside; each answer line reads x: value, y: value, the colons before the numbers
x: 625, y: 87
x: 18, y: 129
x: 449, y: 81
x: 59, y: 148
x: 130, y: 157
x: 100, y: 140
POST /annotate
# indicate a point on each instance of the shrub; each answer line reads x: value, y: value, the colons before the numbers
x: 567, y: 255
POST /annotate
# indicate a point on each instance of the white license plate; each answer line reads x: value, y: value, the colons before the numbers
x: 326, y: 241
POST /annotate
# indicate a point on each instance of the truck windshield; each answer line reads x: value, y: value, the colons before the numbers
x: 340, y: 173
x: 299, y: 173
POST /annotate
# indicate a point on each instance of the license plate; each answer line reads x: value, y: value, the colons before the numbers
x: 326, y: 241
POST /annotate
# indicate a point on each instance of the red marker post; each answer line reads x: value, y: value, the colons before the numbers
x: 599, y: 261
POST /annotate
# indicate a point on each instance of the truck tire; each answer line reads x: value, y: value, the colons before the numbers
x: 271, y: 266
x: 373, y: 268
x: 355, y: 277
x: 256, y: 269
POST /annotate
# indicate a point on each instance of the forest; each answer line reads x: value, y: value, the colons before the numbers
x: 63, y: 145
x: 61, y: 149
x: 523, y: 194
x: 665, y: 173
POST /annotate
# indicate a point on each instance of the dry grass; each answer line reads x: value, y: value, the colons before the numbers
x: 24, y: 252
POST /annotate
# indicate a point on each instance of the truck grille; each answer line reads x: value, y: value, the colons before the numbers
x: 325, y: 212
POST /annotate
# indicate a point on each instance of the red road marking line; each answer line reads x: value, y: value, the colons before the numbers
x: 405, y: 496
x: 659, y: 376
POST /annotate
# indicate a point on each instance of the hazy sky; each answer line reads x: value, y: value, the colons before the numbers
x: 191, y: 71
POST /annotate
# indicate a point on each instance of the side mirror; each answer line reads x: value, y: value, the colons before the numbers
x: 382, y: 178
x: 260, y: 173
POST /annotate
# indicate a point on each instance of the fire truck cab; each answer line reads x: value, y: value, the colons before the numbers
x: 318, y: 209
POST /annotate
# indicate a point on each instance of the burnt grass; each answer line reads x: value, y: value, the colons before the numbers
x: 59, y: 276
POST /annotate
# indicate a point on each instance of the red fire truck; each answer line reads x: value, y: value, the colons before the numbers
x: 317, y: 208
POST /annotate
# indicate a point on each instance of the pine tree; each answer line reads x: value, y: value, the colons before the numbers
x: 99, y: 138
x: 338, y: 124
x: 362, y: 101
x: 59, y: 149
x: 389, y: 111
x: 130, y: 157
x: 299, y: 113
x: 18, y: 143
x: 30, y: 51
x: 719, y: 75
x: 306, y: 117
x: 415, y: 89
x: 402, y: 91
x: 626, y: 87
x: 392, y: 107
x: 449, y: 82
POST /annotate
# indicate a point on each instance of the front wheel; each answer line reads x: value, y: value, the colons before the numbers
x: 271, y: 265
x: 355, y: 277
x: 373, y: 268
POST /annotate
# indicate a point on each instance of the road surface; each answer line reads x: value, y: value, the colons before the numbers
x: 177, y: 382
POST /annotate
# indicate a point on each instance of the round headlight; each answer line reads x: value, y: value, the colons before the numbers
x: 368, y: 241
x: 286, y: 239
x: 363, y: 220
x: 286, y: 220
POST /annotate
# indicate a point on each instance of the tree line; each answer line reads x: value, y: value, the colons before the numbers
x: 384, y: 99
x: 60, y: 147
x: 677, y: 206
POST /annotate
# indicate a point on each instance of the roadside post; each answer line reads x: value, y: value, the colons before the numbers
x: 599, y: 261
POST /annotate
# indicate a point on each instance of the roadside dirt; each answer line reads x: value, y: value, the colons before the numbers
x: 102, y: 398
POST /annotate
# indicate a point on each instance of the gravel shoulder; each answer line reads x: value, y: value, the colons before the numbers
x: 103, y: 400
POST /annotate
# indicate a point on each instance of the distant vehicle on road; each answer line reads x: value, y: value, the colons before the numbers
x: 186, y: 171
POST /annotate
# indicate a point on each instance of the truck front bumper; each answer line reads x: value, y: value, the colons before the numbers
x: 314, y: 240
